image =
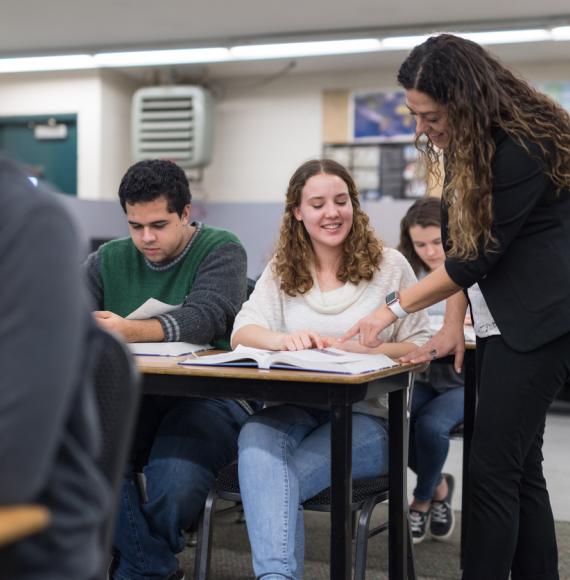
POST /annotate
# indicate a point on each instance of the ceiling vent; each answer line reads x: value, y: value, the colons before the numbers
x: 173, y: 123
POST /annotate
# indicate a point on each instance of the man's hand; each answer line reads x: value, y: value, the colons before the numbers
x: 369, y: 327
x: 448, y: 340
x: 111, y: 321
x: 131, y: 330
x: 300, y: 340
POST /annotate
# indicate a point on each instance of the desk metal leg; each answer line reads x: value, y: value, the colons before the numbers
x: 398, y: 505
x: 341, y: 492
x: 470, y: 403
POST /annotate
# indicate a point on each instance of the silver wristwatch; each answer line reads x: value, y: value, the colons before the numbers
x: 393, y: 303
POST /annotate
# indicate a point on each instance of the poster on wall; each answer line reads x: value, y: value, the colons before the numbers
x: 380, y: 116
x: 559, y: 91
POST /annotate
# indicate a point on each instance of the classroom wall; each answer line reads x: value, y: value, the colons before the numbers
x: 256, y: 224
x: 264, y: 128
x: 101, y: 101
x: 264, y: 132
x: 116, y: 97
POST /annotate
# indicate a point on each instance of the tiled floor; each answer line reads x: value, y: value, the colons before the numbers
x: 556, y: 453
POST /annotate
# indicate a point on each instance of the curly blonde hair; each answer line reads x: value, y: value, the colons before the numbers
x: 361, y: 251
x: 480, y: 94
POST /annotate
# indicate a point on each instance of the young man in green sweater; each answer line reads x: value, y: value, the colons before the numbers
x: 182, y: 442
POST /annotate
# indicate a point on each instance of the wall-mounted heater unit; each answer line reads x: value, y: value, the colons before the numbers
x: 173, y: 123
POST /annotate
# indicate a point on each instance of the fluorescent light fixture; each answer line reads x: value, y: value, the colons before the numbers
x: 47, y: 63
x: 264, y: 51
x: 404, y: 42
x: 488, y: 37
x: 161, y: 57
x: 508, y: 36
x: 300, y: 49
x: 560, y: 33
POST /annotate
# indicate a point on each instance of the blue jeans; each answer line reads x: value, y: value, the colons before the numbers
x: 284, y: 459
x: 434, y: 414
x: 191, y: 440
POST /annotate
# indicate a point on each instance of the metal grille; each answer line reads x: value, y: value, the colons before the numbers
x: 173, y: 123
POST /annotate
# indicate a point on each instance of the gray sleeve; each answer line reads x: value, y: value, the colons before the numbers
x: 42, y: 325
x: 219, y: 290
x: 92, y: 274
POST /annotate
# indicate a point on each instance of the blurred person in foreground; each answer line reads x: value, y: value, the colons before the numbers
x: 49, y: 429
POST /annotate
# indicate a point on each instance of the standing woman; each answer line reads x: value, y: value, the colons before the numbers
x: 437, y: 400
x: 506, y: 231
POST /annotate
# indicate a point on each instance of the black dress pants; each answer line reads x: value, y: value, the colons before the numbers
x: 511, y: 527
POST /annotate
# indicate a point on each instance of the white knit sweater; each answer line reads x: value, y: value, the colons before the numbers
x: 332, y: 313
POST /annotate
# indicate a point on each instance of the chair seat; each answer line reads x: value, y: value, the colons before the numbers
x: 228, y: 483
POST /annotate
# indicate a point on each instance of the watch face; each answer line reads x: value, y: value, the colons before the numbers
x: 392, y: 297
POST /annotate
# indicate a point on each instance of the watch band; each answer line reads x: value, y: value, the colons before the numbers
x: 397, y: 309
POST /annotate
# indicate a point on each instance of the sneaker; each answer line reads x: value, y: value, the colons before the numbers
x: 442, y: 518
x: 418, y: 525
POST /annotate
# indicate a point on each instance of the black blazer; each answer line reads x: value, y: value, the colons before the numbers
x: 526, y: 280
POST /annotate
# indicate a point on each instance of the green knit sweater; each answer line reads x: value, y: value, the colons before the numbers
x: 128, y: 281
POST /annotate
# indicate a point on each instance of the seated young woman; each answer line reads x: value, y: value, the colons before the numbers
x: 328, y: 271
x: 437, y: 401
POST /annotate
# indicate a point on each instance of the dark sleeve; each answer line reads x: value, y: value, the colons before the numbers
x: 519, y: 184
x: 92, y: 273
x: 42, y: 323
x: 218, y: 292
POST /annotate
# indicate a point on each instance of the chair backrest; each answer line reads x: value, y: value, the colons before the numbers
x: 250, y: 286
x: 118, y: 388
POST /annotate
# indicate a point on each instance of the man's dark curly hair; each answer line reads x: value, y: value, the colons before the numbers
x: 149, y: 179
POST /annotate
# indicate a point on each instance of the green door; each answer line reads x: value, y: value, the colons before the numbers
x: 46, y: 145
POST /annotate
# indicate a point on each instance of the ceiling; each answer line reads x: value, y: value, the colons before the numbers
x: 31, y: 27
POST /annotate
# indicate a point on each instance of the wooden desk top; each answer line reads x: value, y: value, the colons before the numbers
x: 160, y: 365
x: 17, y: 522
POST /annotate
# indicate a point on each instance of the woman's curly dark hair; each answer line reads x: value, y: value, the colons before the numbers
x: 361, y: 252
x: 423, y: 212
x: 480, y: 94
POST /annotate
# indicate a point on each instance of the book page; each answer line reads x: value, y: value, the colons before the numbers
x: 166, y: 348
x: 319, y: 355
x: 255, y: 356
x: 152, y: 307
x: 331, y: 360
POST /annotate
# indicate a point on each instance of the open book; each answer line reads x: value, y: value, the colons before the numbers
x: 329, y: 360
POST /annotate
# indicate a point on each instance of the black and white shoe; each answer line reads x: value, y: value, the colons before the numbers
x: 442, y: 519
x: 418, y: 524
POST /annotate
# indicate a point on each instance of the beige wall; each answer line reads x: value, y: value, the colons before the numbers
x: 262, y: 133
x: 116, y: 96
